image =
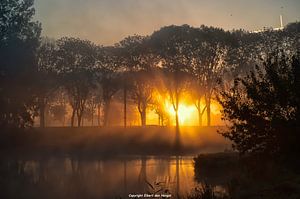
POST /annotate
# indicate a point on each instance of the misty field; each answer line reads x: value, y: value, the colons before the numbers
x: 115, y: 140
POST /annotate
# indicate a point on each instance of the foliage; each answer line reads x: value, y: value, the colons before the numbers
x: 263, y: 107
x: 206, y: 191
x: 108, y: 74
x: 246, y: 177
x: 19, y: 37
x: 46, y: 78
x: 172, y: 60
x: 76, y: 58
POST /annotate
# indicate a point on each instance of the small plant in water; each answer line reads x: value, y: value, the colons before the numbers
x: 157, y: 188
x: 206, y: 191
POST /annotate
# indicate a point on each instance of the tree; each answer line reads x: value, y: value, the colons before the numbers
x: 94, y: 103
x: 76, y: 60
x: 46, y: 77
x: 58, y: 112
x: 135, y: 56
x: 19, y: 38
x: 58, y: 105
x: 169, y: 44
x: 139, y: 61
x: 205, y: 49
x: 108, y: 77
x: 142, y: 91
x: 197, y: 94
x: 91, y: 105
x: 207, y: 55
x: 263, y: 107
x: 160, y: 94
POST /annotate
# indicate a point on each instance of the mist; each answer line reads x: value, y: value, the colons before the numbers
x: 108, y: 21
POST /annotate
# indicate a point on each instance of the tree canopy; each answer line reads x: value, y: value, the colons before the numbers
x: 19, y: 39
x: 172, y: 63
x: 263, y: 108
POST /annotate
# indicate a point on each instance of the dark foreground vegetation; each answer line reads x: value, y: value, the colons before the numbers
x: 255, y: 177
x: 264, y: 110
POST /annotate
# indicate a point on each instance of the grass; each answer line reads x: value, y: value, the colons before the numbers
x: 112, y: 141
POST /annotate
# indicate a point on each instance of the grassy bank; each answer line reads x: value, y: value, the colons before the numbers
x: 113, y: 141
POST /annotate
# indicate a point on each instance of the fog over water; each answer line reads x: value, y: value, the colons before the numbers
x: 71, y: 177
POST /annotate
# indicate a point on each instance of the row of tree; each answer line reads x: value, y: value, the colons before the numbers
x: 165, y: 65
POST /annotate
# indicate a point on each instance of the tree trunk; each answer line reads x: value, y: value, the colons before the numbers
x: 199, y: 116
x: 200, y: 113
x: 42, y: 115
x: 125, y: 106
x: 176, y: 107
x: 143, y: 113
x: 64, y: 120
x: 143, y: 118
x: 158, y: 119
x: 199, y: 110
x: 177, y: 138
x: 98, y: 114
x: 176, y: 118
x: 208, y: 111
x: 79, y: 117
x: 73, y: 117
x: 106, y: 111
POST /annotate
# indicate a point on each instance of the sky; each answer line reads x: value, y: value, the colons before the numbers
x: 106, y: 22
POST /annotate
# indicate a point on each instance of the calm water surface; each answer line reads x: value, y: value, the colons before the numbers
x: 104, y: 178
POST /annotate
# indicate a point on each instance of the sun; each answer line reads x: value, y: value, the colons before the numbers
x: 186, y: 112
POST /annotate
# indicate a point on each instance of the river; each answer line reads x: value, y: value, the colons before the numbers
x: 119, y: 177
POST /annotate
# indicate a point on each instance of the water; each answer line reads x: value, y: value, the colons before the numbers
x: 97, y: 178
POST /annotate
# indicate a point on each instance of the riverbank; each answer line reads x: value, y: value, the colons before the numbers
x: 253, y: 177
x: 95, y: 141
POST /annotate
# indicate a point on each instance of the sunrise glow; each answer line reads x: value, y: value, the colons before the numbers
x: 186, y: 113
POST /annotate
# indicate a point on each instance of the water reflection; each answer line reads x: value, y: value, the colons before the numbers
x: 81, y: 178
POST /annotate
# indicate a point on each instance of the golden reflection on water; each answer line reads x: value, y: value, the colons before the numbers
x: 113, y: 178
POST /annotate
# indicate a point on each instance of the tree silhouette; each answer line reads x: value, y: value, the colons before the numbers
x: 209, y: 53
x: 46, y: 81
x: 169, y: 43
x: 138, y: 63
x: 19, y: 39
x: 166, y: 65
x: 58, y: 111
x: 142, y: 92
x: 263, y: 107
x: 75, y: 62
x: 108, y: 76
